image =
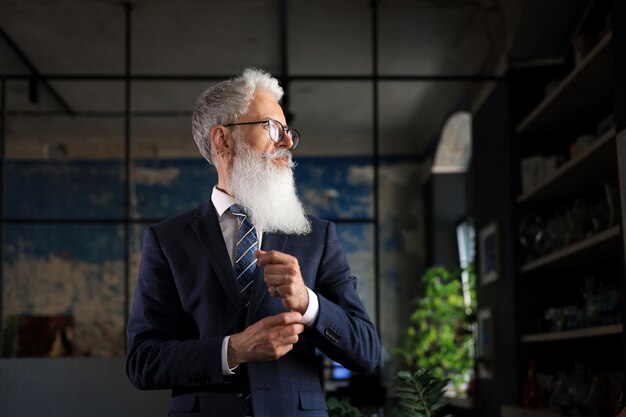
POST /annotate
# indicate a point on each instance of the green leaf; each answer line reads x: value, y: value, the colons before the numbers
x: 419, y: 393
x: 341, y: 408
x: 404, y: 375
x: 406, y: 396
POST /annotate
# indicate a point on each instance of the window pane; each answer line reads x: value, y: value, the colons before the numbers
x: 166, y: 187
x: 63, y: 290
x: 357, y: 240
x: 336, y: 187
x: 198, y: 37
x: 169, y: 175
x: 321, y: 32
x: 427, y: 38
x: 68, y: 37
x: 71, y: 166
x: 402, y: 251
x: 136, y: 243
x: 173, y: 98
x: 412, y: 114
x: 334, y: 118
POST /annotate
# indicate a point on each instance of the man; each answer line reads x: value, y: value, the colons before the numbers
x: 230, y: 328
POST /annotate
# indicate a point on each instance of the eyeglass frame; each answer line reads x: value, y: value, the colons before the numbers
x: 283, y: 129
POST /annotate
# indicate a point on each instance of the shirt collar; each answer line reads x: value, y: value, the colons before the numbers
x: 222, y: 201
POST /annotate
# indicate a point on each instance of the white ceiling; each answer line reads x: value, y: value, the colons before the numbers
x: 214, y: 38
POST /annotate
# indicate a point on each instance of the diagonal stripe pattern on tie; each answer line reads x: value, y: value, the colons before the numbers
x: 245, y: 262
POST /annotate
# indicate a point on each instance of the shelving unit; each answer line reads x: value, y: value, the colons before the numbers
x: 574, y: 334
x: 598, y: 246
x: 565, y: 100
x: 515, y: 411
x: 573, y: 108
x: 596, y: 162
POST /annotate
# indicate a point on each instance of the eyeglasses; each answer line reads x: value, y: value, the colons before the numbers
x: 276, y: 130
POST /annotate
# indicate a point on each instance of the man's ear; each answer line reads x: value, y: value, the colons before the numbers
x: 221, y: 140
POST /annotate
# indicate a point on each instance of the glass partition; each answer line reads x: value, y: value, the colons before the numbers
x: 169, y: 176
x: 63, y: 290
x: 320, y: 32
x: 63, y: 233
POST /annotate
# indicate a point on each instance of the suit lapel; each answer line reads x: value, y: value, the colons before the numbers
x: 207, y: 229
x: 259, y: 290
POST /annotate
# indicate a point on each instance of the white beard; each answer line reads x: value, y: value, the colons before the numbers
x: 267, y: 191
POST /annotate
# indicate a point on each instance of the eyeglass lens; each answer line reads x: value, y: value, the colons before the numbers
x: 295, y: 138
x: 277, y: 132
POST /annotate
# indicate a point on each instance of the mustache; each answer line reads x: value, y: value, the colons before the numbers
x: 279, y: 153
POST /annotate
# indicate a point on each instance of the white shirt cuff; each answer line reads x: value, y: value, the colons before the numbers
x: 310, y: 315
x: 225, y: 369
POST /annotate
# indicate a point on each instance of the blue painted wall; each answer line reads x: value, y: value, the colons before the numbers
x: 77, y: 269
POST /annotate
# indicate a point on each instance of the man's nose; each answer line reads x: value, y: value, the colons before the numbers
x: 286, y: 143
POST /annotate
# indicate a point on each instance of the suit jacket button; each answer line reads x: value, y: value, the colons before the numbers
x: 330, y: 333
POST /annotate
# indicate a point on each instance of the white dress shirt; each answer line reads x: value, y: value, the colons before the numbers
x: 229, y: 223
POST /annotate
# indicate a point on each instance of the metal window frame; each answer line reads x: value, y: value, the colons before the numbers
x: 128, y: 78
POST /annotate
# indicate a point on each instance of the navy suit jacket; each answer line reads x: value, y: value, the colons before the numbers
x: 187, y: 301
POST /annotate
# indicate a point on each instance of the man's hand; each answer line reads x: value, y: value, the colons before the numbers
x: 283, y: 279
x: 268, y: 339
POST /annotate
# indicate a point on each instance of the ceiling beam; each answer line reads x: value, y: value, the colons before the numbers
x: 35, y: 73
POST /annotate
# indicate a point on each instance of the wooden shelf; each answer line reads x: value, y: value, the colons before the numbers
x: 588, y: 86
x: 595, y: 163
x: 592, y: 248
x: 574, y: 334
x: 517, y: 411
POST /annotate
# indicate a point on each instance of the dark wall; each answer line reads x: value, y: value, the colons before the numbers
x: 492, y: 196
x: 446, y: 203
x: 618, y: 13
x: 68, y: 387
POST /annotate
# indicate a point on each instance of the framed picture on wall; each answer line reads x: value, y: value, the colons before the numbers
x: 489, y: 253
x: 485, y: 346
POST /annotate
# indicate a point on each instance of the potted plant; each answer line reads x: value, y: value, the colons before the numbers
x: 440, y: 334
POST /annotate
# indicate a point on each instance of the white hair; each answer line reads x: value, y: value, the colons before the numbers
x: 227, y: 101
x: 267, y: 191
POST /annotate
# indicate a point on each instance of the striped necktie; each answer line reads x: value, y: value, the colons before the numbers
x: 245, y: 261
